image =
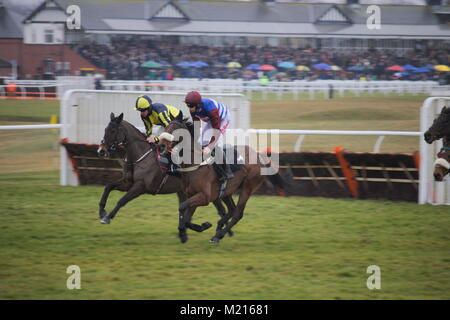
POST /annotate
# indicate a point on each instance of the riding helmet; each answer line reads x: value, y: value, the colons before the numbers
x: 143, y: 102
x: 193, y: 98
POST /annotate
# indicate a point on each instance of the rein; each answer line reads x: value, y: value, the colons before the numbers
x: 143, y: 156
x: 209, y: 160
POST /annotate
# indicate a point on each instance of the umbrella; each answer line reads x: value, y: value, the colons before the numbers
x: 253, y: 66
x: 199, y: 64
x: 267, y: 67
x: 302, y: 68
x: 184, y: 64
x: 422, y: 69
x: 234, y: 64
x: 335, y: 68
x: 151, y: 65
x: 409, y: 67
x: 355, y: 68
x: 322, y: 66
x: 396, y: 68
x: 286, y: 65
x: 164, y: 63
x: 442, y: 67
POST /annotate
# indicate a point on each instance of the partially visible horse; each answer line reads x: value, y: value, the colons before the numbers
x: 440, y: 129
x: 202, y: 186
x: 144, y: 174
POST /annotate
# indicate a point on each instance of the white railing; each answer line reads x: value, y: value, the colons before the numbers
x: 302, y: 133
x: 32, y: 127
x: 292, y: 89
x: 22, y: 91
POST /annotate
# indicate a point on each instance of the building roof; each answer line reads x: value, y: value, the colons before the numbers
x: 214, y: 17
x: 10, y: 24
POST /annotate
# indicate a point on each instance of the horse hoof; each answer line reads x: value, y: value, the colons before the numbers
x: 206, y: 225
x: 214, y: 240
x: 102, y: 214
x: 105, y: 220
x: 230, y: 233
x: 183, y: 238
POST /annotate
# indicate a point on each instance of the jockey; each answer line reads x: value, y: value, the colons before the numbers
x: 216, y: 116
x: 156, y: 114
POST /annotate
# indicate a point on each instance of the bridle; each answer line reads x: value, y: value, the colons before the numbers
x: 117, y: 143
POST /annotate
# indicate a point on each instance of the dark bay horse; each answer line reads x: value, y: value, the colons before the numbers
x: 440, y: 129
x: 146, y: 175
x: 201, y: 184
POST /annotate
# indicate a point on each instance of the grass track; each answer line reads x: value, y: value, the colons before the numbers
x: 284, y: 248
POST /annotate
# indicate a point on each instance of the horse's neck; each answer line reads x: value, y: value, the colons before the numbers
x: 136, y: 144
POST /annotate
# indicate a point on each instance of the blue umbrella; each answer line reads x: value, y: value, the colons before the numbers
x: 164, y: 63
x: 409, y: 67
x: 253, y: 66
x: 183, y: 64
x: 355, y: 68
x: 286, y: 65
x: 199, y: 64
x: 322, y: 66
x: 422, y: 69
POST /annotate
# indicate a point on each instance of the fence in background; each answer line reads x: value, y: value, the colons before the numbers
x: 299, y: 89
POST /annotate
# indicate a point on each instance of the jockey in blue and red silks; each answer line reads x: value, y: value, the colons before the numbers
x: 217, y: 118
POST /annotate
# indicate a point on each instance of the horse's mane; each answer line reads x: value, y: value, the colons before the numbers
x: 133, y: 128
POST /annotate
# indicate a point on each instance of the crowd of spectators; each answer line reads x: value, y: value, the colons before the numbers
x: 122, y: 59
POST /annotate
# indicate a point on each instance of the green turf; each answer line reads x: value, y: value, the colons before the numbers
x: 35, y: 110
x: 284, y: 248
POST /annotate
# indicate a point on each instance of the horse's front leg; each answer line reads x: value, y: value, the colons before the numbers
x: 186, y: 211
x: 135, y: 191
x: 122, y: 185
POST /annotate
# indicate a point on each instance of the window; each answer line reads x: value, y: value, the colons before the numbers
x: 49, y: 36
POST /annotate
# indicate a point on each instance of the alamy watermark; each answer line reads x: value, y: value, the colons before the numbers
x: 73, y: 21
x: 74, y: 280
x: 252, y: 147
x: 373, y: 21
x: 374, y: 280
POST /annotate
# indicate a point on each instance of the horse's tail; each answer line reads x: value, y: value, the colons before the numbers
x: 276, y: 179
x: 279, y: 183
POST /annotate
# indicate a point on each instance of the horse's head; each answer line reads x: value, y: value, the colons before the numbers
x: 114, y: 137
x: 440, y: 127
x: 167, y: 139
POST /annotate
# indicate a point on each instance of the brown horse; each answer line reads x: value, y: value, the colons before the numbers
x: 440, y: 129
x: 201, y: 184
x: 144, y: 174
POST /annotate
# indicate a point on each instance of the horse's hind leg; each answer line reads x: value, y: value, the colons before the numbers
x: 225, y: 217
x: 135, y: 191
x: 237, y: 213
x: 122, y: 185
x: 186, y: 210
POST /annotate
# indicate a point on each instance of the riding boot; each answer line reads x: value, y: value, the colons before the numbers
x: 220, y: 172
x: 228, y: 173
